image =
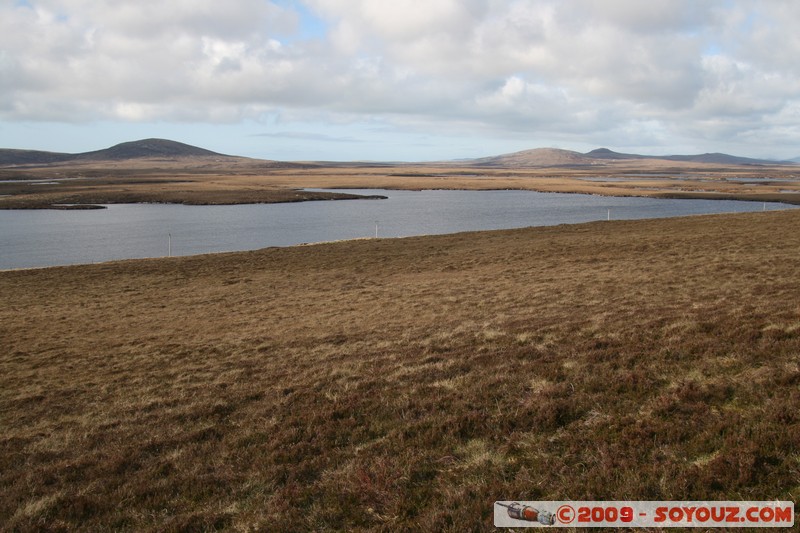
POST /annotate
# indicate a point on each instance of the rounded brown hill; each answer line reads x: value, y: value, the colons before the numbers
x: 538, y: 157
x: 147, y: 148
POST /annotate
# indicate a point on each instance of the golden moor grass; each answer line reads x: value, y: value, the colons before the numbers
x: 205, y: 181
x: 404, y: 384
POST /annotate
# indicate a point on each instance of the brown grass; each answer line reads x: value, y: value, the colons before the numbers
x: 201, y: 181
x: 406, y: 384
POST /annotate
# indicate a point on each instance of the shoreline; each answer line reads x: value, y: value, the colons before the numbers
x: 369, y: 238
x: 241, y: 182
x: 281, y: 199
x: 790, y: 198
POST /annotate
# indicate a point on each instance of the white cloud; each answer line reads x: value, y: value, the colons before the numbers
x: 672, y: 71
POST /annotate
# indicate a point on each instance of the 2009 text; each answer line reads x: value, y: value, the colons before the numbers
x: 645, y: 514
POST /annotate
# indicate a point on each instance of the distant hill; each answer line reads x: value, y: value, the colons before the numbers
x: 716, y: 158
x: 146, y: 148
x: 538, y: 157
x: 605, y: 153
x: 720, y: 159
x: 10, y: 157
x: 554, y: 157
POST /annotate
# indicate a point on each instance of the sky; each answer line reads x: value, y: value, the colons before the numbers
x: 403, y: 80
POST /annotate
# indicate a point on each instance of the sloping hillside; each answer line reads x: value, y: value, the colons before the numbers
x: 404, y: 384
x: 538, y: 157
x: 145, y: 148
x: 9, y: 157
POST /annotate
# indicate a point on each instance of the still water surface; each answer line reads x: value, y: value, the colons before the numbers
x: 34, y: 238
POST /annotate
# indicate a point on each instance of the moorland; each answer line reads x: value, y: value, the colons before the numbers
x: 404, y: 384
x: 162, y: 171
x: 399, y: 384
